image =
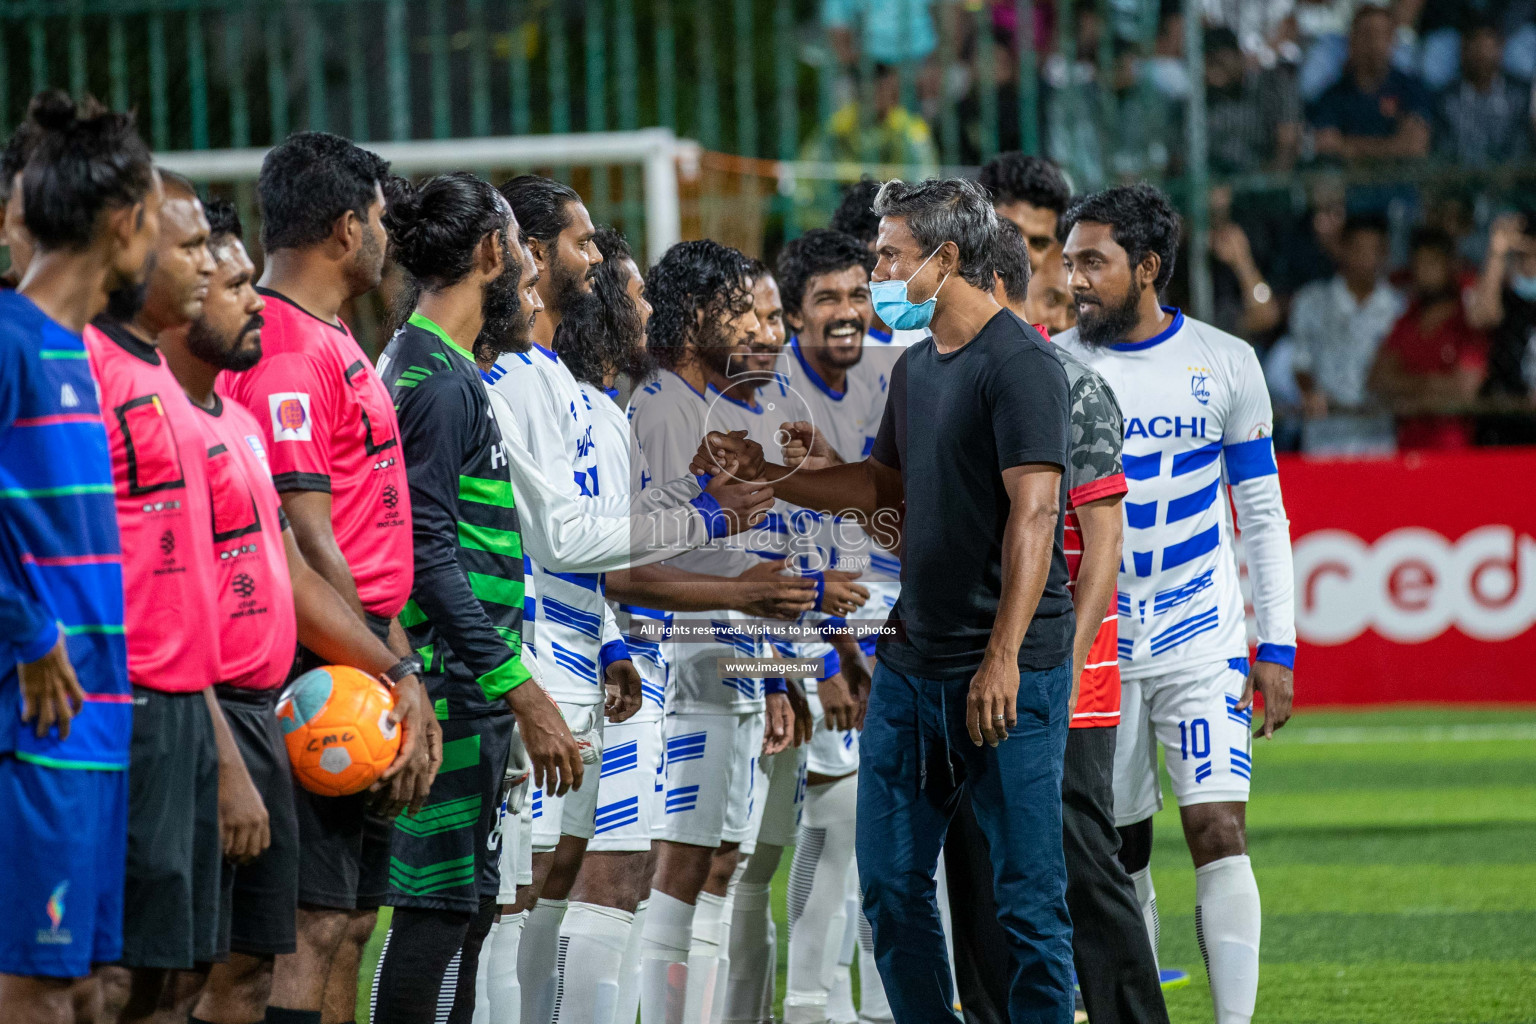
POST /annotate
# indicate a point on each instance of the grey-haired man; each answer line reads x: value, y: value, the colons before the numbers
x: 972, y: 693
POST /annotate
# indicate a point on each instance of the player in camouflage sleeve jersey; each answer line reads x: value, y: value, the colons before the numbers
x: 1116, y: 971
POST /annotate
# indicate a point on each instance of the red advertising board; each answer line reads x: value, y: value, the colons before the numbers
x: 1415, y: 577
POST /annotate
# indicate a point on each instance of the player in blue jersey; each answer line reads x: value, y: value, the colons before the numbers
x: 1197, y: 425
x: 90, y: 199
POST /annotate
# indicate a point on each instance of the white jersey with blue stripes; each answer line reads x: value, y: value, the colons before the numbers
x: 668, y: 419
x: 577, y: 635
x: 1197, y: 422
x: 849, y: 420
x: 788, y: 531
x: 624, y: 476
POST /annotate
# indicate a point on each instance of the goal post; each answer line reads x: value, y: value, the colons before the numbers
x: 656, y: 151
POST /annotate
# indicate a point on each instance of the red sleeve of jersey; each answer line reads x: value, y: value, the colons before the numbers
x: 293, y: 399
x: 1093, y: 490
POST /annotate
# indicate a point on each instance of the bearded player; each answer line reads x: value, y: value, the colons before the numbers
x: 1197, y: 424
x: 824, y: 276
x: 599, y: 345
x: 335, y: 457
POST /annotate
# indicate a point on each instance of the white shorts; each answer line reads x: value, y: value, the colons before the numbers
x: 572, y: 814
x: 711, y: 775
x: 831, y: 753
x: 1207, y: 743
x: 626, y: 796
x: 516, y: 852
x: 780, y: 789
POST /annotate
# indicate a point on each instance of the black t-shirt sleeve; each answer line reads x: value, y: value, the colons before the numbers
x: 1027, y: 396
x: 437, y: 418
x: 887, y: 449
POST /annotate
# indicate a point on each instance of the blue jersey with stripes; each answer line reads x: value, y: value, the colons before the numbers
x: 1197, y: 421
x: 60, y: 557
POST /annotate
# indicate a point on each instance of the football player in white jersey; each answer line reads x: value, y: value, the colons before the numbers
x: 618, y: 864
x: 716, y: 725
x: 1197, y: 425
x: 570, y: 541
x: 759, y: 401
x: 576, y: 637
x: 825, y: 278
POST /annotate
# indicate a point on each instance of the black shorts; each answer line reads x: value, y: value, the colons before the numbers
x: 261, y: 897
x: 343, y: 848
x: 443, y: 858
x: 175, y: 853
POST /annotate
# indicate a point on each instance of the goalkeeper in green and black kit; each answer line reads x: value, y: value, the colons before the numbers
x: 457, y: 238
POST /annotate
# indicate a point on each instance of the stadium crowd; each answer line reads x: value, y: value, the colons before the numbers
x: 1431, y: 284
x: 781, y: 598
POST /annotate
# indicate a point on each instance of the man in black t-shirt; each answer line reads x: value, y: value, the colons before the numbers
x: 971, y: 692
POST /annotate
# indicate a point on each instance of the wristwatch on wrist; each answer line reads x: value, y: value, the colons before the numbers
x: 406, y: 666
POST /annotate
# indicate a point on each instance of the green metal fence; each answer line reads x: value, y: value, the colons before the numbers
x: 799, y: 100
x: 757, y: 78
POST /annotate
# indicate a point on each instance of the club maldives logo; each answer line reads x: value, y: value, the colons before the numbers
x: 54, y: 934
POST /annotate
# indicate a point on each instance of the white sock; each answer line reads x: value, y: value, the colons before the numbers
x: 723, y: 964
x: 664, y: 959
x: 536, y: 960
x: 1227, y: 925
x: 703, y: 957
x: 627, y: 1004
x: 874, y: 1007
x: 1146, y: 895
x: 818, y: 878
x: 591, y: 954
x: 503, y: 991
x: 752, y: 953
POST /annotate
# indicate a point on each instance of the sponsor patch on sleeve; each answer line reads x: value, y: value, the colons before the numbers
x: 290, y: 416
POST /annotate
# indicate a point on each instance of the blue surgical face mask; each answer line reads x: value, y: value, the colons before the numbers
x: 1523, y: 286
x: 899, y: 312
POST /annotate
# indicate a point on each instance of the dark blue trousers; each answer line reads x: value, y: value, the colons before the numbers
x: 915, y: 757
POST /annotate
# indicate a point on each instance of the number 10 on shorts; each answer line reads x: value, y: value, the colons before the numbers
x: 1195, y: 733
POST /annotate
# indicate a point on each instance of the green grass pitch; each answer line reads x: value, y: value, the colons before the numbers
x: 1396, y: 858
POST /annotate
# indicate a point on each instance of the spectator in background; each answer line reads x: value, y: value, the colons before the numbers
x: 1252, y: 309
x: 1321, y: 37
x: 1242, y: 302
x: 1503, y: 303
x: 1484, y: 118
x: 1443, y: 24
x: 1253, y: 115
x: 1261, y: 27
x: 893, y: 135
x: 1338, y: 324
x: 1307, y: 249
x: 1033, y: 193
x: 1431, y: 358
x: 885, y: 31
x: 1374, y: 111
